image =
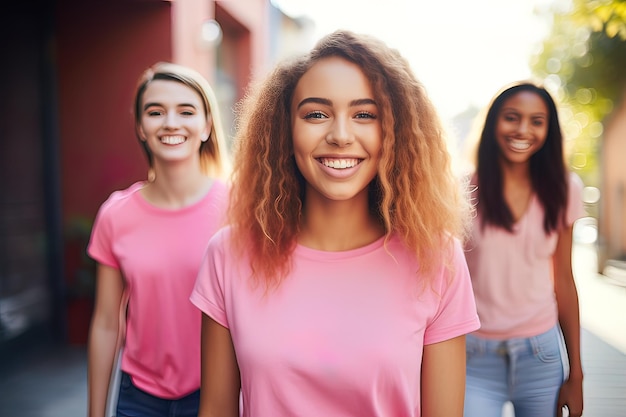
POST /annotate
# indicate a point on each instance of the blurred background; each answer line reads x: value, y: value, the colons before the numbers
x: 70, y: 66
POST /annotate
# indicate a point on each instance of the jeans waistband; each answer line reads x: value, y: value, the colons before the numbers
x: 511, y: 346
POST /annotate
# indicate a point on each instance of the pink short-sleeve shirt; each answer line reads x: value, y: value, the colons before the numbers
x: 342, y: 335
x: 159, y: 252
x: 512, y: 272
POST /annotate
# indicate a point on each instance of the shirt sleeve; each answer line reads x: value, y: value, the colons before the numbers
x: 456, y: 314
x: 208, y: 292
x: 100, y: 247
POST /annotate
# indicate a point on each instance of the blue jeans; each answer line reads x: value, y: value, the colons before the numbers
x: 528, y: 372
x: 134, y: 402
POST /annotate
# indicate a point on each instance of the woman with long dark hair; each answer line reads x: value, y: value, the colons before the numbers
x: 519, y: 256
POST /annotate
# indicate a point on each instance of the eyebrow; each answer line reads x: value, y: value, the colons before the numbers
x: 148, y: 105
x: 515, y: 109
x: 327, y: 102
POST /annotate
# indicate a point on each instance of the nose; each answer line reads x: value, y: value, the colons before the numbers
x: 523, y: 127
x: 171, y: 120
x: 340, y: 133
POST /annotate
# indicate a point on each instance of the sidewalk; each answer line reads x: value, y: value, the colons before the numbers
x: 45, y: 381
x: 603, y: 319
x: 602, y: 303
x: 50, y: 381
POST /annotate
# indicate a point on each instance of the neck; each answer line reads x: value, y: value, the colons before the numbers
x: 338, y: 225
x: 177, y: 186
x: 519, y: 173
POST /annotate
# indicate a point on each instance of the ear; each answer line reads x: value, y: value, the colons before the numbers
x: 207, y: 130
x: 141, y: 133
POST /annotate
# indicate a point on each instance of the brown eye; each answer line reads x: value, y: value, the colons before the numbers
x: 315, y: 115
x: 365, y: 115
x: 187, y: 110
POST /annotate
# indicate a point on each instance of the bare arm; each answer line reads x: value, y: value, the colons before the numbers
x: 571, y: 394
x: 443, y: 378
x: 103, y: 335
x: 221, y: 384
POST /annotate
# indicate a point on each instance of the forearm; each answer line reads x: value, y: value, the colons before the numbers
x: 443, y: 378
x: 569, y: 320
x: 221, y: 384
x: 567, y: 301
x: 101, y: 353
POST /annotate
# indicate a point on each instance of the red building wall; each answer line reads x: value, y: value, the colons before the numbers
x: 101, y: 49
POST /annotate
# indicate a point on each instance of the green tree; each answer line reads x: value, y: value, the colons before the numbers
x: 584, y: 61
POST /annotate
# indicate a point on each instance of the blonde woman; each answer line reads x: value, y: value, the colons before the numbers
x: 148, y: 241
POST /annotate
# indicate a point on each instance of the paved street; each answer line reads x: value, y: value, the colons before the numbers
x: 602, y: 302
x: 50, y: 381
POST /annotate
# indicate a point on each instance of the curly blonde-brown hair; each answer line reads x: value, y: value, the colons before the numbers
x: 415, y: 195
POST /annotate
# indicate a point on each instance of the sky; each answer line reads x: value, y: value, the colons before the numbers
x: 463, y: 51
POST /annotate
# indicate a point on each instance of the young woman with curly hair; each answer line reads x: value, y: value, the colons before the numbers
x: 340, y: 287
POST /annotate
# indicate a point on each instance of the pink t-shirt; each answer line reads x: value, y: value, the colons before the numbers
x: 159, y: 253
x: 342, y: 335
x: 512, y: 272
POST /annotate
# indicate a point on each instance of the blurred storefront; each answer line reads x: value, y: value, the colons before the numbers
x: 67, y: 80
x: 612, y: 216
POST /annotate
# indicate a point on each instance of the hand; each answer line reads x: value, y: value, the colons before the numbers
x: 570, y: 396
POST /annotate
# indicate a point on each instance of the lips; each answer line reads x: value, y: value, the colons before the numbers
x: 519, y: 145
x: 339, y: 163
x: 172, y: 140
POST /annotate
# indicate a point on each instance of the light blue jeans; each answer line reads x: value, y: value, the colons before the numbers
x: 527, y: 372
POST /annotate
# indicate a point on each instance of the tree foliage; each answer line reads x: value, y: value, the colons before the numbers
x: 583, y: 61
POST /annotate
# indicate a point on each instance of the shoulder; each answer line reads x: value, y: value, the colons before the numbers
x: 575, y: 187
x: 449, y: 253
x: 219, y: 186
x: 575, y: 204
x: 454, y: 255
x: 219, y: 191
x: 121, y: 195
x: 220, y: 239
x: 119, y: 198
x: 223, y: 252
x: 574, y: 181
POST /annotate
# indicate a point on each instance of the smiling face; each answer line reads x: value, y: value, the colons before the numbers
x: 337, y: 133
x: 173, y: 122
x: 522, y: 127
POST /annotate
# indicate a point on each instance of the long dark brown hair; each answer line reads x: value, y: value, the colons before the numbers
x: 547, y: 166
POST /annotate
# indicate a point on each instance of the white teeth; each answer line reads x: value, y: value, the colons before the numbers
x: 519, y: 145
x: 339, y: 163
x: 172, y: 140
